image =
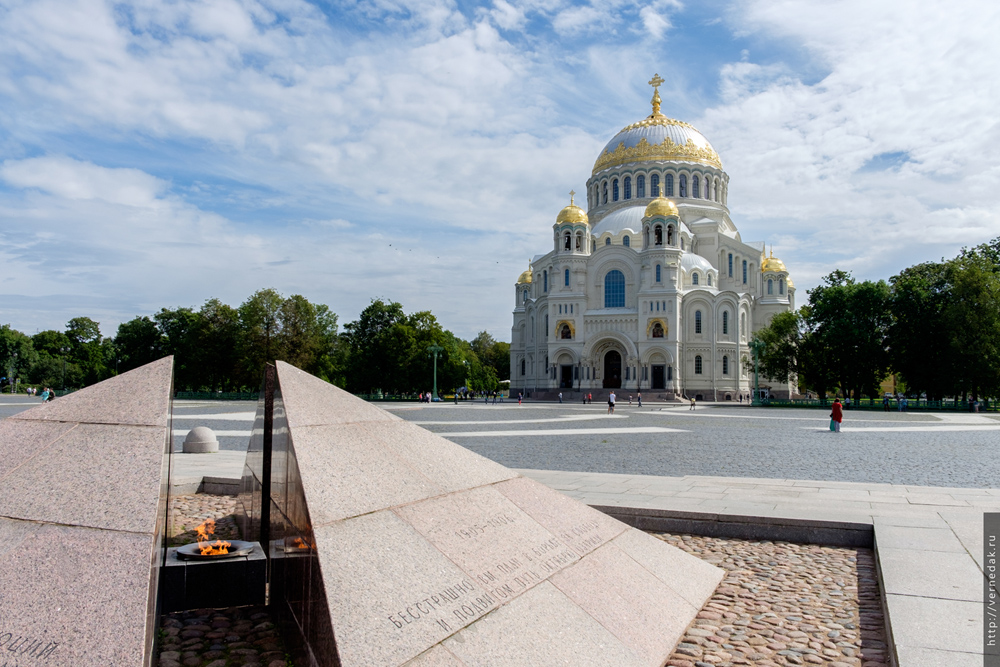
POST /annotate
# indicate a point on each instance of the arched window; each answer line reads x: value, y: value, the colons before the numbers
x: 670, y: 234
x: 725, y: 365
x: 579, y: 242
x: 657, y: 273
x: 566, y: 241
x: 628, y: 187
x: 614, y: 190
x: 743, y: 326
x: 654, y: 185
x: 709, y: 279
x: 522, y: 366
x: 614, y: 289
x: 730, y: 265
x: 607, y: 241
x: 525, y: 296
x: 640, y: 186
x: 770, y: 286
x: 668, y: 184
x: 566, y: 277
x: 565, y: 333
x: 605, y: 184
x: 626, y: 242
x: 781, y: 285
x: 694, y: 186
x: 694, y: 278
x: 707, y: 196
x: 744, y: 272
x: 658, y: 235
x: 697, y: 365
x: 546, y: 334
x: 657, y: 330
x: 697, y: 321
x: 725, y: 322
x: 545, y: 281
x: 683, y: 186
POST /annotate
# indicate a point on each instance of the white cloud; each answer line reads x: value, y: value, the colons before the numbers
x: 76, y: 180
x: 896, y: 82
x: 322, y: 133
x: 654, y: 22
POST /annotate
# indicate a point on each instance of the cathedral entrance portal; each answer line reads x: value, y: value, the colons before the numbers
x: 566, y: 376
x: 659, y: 376
x: 612, y: 370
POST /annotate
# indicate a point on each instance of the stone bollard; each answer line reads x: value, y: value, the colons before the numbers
x: 200, y: 440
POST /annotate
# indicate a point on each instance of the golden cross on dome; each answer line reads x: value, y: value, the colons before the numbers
x: 572, y: 193
x: 655, y: 83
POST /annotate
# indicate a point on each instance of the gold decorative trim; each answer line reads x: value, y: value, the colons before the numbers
x: 572, y: 329
x: 666, y: 150
x: 649, y: 327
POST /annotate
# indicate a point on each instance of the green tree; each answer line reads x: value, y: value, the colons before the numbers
x: 87, y: 349
x: 379, y: 343
x: 782, y: 337
x: 180, y: 329
x: 848, y: 322
x: 17, y: 354
x: 919, y: 338
x: 219, y: 342
x: 137, y: 343
x: 260, y: 335
x: 973, y: 316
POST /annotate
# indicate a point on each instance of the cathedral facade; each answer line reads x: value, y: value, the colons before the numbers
x: 651, y: 289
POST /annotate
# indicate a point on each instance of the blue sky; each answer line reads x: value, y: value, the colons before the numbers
x: 161, y: 153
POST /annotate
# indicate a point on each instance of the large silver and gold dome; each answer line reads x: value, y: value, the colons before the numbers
x: 657, y: 137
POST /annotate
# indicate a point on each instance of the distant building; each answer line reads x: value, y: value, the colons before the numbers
x: 653, y: 287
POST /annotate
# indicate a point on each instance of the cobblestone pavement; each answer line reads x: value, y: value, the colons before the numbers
x: 236, y: 637
x: 779, y: 604
x: 187, y: 512
x: 784, y: 604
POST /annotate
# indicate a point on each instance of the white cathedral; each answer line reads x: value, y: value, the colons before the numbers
x: 652, y: 289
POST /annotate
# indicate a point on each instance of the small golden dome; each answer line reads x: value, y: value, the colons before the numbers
x: 525, y: 277
x: 662, y: 207
x: 572, y: 213
x: 772, y: 263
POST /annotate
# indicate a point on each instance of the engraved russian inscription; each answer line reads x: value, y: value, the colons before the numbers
x: 17, y: 649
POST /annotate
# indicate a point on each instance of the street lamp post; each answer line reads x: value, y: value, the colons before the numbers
x: 757, y: 347
x: 435, y: 350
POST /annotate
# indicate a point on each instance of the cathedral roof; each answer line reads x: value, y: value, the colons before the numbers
x: 661, y: 206
x: 628, y: 218
x: 572, y: 213
x: 691, y: 261
x: 657, y: 137
x: 772, y: 263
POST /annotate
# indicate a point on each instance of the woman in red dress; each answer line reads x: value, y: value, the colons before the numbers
x: 836, y: 416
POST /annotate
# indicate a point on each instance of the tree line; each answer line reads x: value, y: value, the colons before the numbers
x: 224, y: 348
x: 936, y: 325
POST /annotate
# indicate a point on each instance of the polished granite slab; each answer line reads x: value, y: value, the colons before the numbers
x: 82, y: 510
x: 391, y: 545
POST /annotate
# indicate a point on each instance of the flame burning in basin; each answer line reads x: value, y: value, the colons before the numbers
x: 209, y: 548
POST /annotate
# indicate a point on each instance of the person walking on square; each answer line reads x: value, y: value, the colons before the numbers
x: 639, y: 396
x: 520, y: 397
x: 611, y: 402
x: 836, y: 415
x: 692, y: 404
x: 590, y: 398
x: 630, y: 400
x: 560, y: 397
